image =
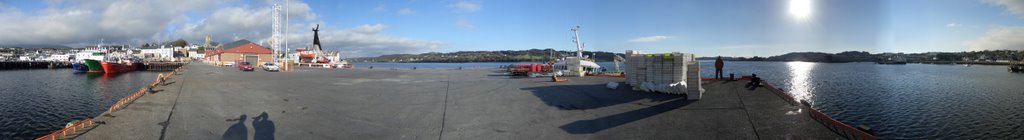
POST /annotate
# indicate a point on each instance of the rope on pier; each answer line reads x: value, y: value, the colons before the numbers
x: 61, y: 134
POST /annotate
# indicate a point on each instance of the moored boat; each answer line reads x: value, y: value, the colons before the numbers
x: 1016, y: 67
x: 94, y: 66
x: 79, y: 67
x: 579, y: 65
x: 117, y: 67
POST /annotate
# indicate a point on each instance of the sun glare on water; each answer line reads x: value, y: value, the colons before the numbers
x: 800, y: 9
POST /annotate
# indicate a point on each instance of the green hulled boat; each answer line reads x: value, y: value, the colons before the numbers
x: 93, y: 62
x: 94, y: 66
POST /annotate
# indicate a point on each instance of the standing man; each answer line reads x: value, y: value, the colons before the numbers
x: 718, y: 67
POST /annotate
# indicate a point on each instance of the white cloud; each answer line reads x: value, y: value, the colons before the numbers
x: 464, y: 7
x: 650, y: 38
x: 999, y: 38
x: 81, y: 22
x: 1012, y: 6
x: 406, y: 12
x: 367, y: 29
x: 953, y: 25
x: 142, y: 21
x: 359, y: 41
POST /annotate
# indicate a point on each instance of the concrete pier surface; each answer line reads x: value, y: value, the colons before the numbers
x: 208, y: 102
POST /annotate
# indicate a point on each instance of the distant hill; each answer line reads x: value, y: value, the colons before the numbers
x: 34, y: 46
x: 532, y: 55
x: 860, y: 56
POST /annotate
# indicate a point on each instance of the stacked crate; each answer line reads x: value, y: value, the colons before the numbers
x: 634, y: 72
x: 665, y: 73
x: 574, y: 66
x: 693, y: 79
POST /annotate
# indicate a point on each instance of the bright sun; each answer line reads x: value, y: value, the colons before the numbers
x: 800, y: 9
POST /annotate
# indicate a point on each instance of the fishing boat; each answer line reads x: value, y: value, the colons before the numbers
x: 1018, y: 67
x: 79, y: 67
x: 117, y: 67
x: 94, y: 66
x: 118, y: 62
x: 92, y: 57
x: 79, y: 62
x: 579, y: 65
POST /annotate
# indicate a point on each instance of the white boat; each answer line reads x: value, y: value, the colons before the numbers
x: 579, y: 65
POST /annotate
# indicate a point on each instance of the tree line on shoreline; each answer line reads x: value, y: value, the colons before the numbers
x: 540, y: 55
x: 532, y: 55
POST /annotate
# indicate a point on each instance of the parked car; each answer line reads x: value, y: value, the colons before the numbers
x: 270, y: 67
x: 244, y: 66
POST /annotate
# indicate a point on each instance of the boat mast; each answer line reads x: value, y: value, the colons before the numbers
x: 579, y: 44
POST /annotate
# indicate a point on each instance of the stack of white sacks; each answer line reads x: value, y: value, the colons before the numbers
x: 664, y: 73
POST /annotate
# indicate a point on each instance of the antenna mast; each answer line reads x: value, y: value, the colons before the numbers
x: 275, y: 38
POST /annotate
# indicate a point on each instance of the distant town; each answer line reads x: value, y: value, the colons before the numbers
x: 177, y: 50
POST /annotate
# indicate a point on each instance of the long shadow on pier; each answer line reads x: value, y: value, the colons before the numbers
x: 263, y: 126
x: 582, y: 97
x: 237, y: 131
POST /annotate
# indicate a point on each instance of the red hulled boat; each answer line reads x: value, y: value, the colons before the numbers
x: 115, y: 67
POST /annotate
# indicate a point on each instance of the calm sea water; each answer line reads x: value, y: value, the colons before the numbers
x: 37, y: 102
x: 913, y: 101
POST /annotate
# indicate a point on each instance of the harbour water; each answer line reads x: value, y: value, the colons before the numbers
x: 913, y: 101
x: 37, y: 102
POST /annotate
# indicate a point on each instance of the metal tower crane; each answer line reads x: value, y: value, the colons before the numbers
x: 275, y: 38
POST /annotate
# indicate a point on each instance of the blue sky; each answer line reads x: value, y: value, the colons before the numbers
x: 704, y: 27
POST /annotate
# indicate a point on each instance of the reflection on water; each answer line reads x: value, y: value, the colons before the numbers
x: 800, y: 78
x: 913, y: 101
x: 36, y: 102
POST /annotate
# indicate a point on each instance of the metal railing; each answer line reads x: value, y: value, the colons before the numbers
x: 64, y: 132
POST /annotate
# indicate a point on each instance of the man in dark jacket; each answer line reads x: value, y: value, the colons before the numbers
x: 718, y: 67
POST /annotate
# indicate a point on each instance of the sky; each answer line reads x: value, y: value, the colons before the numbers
x: 361, y: 28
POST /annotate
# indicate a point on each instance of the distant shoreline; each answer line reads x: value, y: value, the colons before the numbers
x: 911, y: 62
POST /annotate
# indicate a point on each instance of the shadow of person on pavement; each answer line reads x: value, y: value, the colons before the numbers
x: 264, y: 127
x: 237, y: 131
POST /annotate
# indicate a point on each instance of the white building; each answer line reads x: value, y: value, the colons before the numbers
x: 25, y: 58
x: 161, y: 53
x: 60, y: 57
x: 194, y: 54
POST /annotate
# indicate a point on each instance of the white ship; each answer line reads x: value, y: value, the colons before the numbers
x: 578, y: 65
